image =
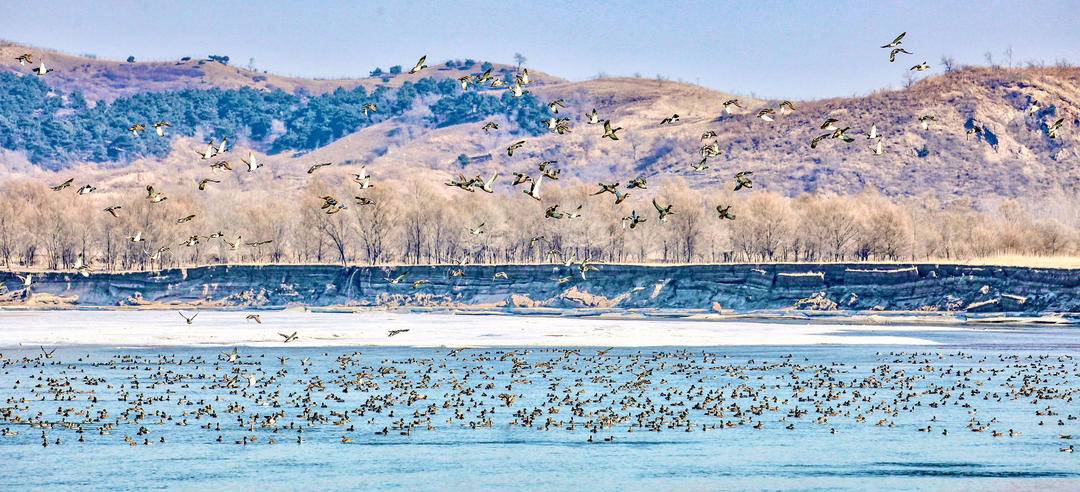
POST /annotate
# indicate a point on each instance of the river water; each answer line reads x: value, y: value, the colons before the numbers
x: 632, y: 418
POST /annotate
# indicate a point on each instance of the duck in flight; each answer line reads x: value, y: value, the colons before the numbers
x: 251, y: 162
x: 663, y: 211
x: 593, y: 117
x: 514, y: 146
x: 316, y: 167
x: 730, y: 104
x: 725, y: 212
x: 609, y: 131
x: 41, y: 71
x: 187, y: 319
x: 63, y: 185
x: 419, y: 65
x: 25, y: 58
x: 153, y: 196
x: 742, y: 180
x: 288, y: 337
x: 160, y: 127
x: 896, y: 51
x: 1053, y: 129
x: 534, y: 188
x: 633, y: 219
x: 896, y: 41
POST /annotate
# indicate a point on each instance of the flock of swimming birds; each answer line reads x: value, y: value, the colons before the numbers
x: 557, y: 124
x: 604, y: 394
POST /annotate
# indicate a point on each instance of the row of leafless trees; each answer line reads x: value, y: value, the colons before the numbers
x: 418, y: 222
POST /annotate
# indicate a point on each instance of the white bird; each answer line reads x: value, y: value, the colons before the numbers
x: 534, y: 189
x: 251, y: 161
x: 27, y: 280
x: 486, y: 186
x: 878, y: 149
x: 41, y: 70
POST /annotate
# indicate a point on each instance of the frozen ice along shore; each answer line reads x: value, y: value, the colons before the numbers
x: 742, y: 288
x: 230, y: 328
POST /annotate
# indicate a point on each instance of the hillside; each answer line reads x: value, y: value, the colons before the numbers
x: 106, y: 80
x: 942, y: 161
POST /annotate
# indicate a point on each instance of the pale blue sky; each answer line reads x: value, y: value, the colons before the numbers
x: 776, y: 49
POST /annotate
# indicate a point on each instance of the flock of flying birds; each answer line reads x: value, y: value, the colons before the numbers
x: 557, y: 124
x: 607, y: 395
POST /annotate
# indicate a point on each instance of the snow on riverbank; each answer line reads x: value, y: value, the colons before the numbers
x: 226, y: 328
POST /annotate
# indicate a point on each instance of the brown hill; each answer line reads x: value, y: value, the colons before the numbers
x: 101, y: 79
x: 1014, y: 157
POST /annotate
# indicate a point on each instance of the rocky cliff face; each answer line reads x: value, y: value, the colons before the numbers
x: 734, y: 288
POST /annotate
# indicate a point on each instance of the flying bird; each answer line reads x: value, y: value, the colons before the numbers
x: 316, y: 167
x: 41, y: 71
x: 670, y: 120
x: 896, y: 41
x: 609, y: 131
x: 154, y: 196
x: 419, y: 65
x: 63, y: 185
x: 160, y: 127
x: 633, y: 219
x: 896, y: 51
x: 742, y: 180
x: 187, y: 319
x: 725, y: 212
x: 1053, y: 128
x: 663, y: 211
x: 514, y: 146
x: 729, y: 104
x: 251, y: 161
